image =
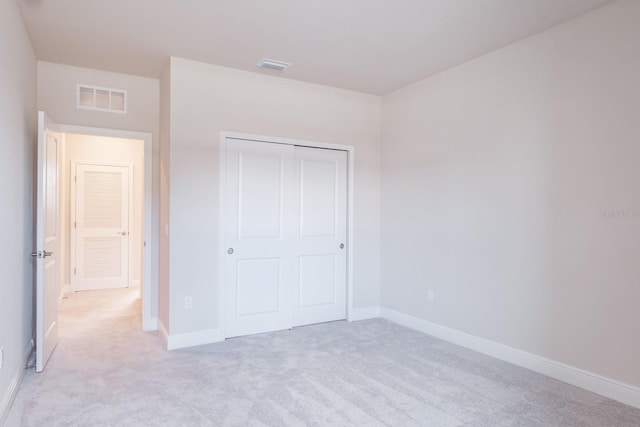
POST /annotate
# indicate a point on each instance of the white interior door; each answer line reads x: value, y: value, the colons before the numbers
x: 47, y: 242
x: 320, y: 294
x: 100, y: 226
x: 259, y: 256
x: 285, y: 234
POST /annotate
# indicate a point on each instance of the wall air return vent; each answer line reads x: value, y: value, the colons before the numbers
x: 272, y: 64
x: 102, y: 99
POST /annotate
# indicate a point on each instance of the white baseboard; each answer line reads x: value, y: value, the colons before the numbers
x: 363, y: 313
x: 162, y: 331
x: 150, y: 324
x: 14, y: 384
x: 599, y: 384
x: 66, y: 290
x: 191, y: 339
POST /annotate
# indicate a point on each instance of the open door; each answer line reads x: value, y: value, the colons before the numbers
x: 47, y: 242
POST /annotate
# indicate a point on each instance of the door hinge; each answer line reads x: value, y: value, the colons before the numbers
x: 75, y: 224
x: 74, y: 271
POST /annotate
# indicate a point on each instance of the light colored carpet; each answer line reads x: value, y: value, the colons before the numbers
x: 106, y: 372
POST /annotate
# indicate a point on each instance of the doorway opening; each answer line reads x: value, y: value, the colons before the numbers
x: 105, y: 215
x: 55, y: 259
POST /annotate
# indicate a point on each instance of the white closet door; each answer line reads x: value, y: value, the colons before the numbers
x: 101, y: 218
x: 258, y: 237
x: 320, y: 237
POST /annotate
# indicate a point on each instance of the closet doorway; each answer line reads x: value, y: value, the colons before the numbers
x: 285, y: 234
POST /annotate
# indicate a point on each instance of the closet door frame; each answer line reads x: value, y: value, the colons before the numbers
x: 225, y: 138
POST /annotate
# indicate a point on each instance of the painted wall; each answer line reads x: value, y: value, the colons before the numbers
x: 511, y: 186
x: 207, y: 99
x: 57, y: 97
x: 84, y: 148
x: 17, y: 142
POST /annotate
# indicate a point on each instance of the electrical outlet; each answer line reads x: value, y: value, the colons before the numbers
x: 1, y: 357
x: 188, y: 302
x: 430, y: 295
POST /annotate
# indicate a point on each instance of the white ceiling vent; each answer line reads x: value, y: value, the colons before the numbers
x: 102, y: 99
x: 272, y: 64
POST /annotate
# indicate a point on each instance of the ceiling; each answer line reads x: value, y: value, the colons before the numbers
x: 372, y: 46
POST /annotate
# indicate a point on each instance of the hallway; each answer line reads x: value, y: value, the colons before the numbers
x: 101, y: 344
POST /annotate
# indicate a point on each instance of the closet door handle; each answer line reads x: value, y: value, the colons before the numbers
x: 230, y: 251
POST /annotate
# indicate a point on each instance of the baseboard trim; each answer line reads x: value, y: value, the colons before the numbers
x: 363, y: 313
x: 150, y: 324
x: 66, y: 291
x: 191, y: 339
x: 162, y: 331
x: 14, y: 384
x: 599, y: 384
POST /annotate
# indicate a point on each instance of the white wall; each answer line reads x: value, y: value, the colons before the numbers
x: 496, y: 175
x: 207, y: 99
x: 86, y: 148
x: 57, y: 97
x: 17, y: 141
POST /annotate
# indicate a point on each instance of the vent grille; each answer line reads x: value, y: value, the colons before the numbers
x: 272, y: 64
x: 101, y: 99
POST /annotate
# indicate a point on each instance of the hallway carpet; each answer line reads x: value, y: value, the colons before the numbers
x: 106, y: 372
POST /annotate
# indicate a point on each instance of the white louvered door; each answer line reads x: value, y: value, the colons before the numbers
x: 100, y: 222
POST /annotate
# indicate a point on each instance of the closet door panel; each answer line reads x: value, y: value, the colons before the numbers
x: 320, y: 236
x: 258, y: 237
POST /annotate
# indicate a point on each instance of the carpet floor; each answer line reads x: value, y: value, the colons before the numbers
x: 107, y: 372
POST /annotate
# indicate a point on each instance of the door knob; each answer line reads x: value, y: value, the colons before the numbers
x: 123, y: 233
x: 230, y: 251
x: 341, y: 245
x: 42, y: 254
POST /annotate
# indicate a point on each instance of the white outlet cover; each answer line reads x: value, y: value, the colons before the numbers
x: 430, y: 295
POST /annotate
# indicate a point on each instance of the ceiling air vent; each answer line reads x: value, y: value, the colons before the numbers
x: 272, y: 64
x: 102, y: 99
